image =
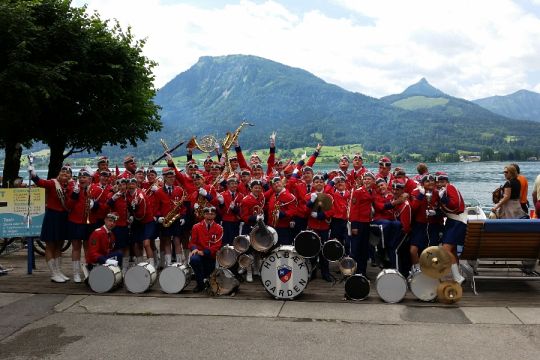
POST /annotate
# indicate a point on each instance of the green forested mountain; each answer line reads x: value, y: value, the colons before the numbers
x: 522, y: 105
x: 217, y: 93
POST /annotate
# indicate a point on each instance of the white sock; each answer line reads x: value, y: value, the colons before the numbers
x: 151, y: 262
x: 168, y: 259
x: 76, y: 267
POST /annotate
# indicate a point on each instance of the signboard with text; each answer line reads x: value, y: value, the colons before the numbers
x: 14, y: 208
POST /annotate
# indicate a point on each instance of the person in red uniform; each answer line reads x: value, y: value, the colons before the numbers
x: 360, y: 218
x: 100, y: 193
x: 53, y: 229
x: 282, y: 207
x: 201, y: 196
x: 400, y: 175
x: 103, y: 165
x: 455, y: 227
x: 206, y: 237
x: 356, y: 172
x: 426, y: 222
x: 319, y: 222
x: 342, y: 197
x: 118, y: 204
x: 401, y: 243
x: 229, y: 207
x: 140, y: 175
x: 80, y: 204
x: 343, y: 163
x: 300, y: 190
x: 130, y: 167
x: 101, y: 244
x: 385, y: 165
x: 252, y: 206
x: 166, y: 199
x: 245, y: 179
x: 142, y: 225
x: 384, y: 216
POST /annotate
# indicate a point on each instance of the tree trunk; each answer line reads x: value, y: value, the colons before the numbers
x: 12, y: 163
x: 56, y: 159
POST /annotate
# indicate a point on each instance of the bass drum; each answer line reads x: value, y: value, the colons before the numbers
x: 357, y: 287
x: 223, y: 282
x: 333, y: 250
x: 391, y: 286
x: 307, y: 244
x: 175, y: 278
x: 104, y: 278
x: 140, y: 278
x: 423, y: 286
x: 284, y: 273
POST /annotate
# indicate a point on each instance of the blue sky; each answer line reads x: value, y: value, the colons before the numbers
x: 470, y: 49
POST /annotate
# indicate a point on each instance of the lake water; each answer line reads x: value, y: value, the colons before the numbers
x: 476, y: 181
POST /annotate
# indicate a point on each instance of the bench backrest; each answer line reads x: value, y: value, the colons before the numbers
x: 502, y: 240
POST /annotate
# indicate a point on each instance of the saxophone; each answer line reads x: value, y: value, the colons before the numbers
x: 174, y: 214
x: 87, y: 204
x: 275, y: 214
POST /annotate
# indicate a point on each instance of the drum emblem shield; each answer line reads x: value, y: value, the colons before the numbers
x: 284, y: 273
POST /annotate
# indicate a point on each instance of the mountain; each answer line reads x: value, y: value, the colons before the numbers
x: 522, y: 105
x: 217, y: 93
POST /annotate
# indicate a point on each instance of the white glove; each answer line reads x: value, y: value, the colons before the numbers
x: 220, y: 199
x: 304, y: 156
x: 168, y: 157
x: 134, y: 202
x: 260, y: 217
x: 111, y: 262
x: 431, y: 212
x: 421, y: 190
x: 232, y: 205
x: 130, y: 219
x: 292, y: 224
x: 203, y: 192
x: 76, y: 188
x: 182, y: 222
x: 196, y: 206
x: 91, y: 203
x: 313, y: 197
x: 314, y: 214
x: 154, y: 188
x: 116, y: 195
x: 441, y: 192
x: 161, y: 219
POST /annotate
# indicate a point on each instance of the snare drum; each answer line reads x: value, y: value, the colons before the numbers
x: 357, y: 287
x: 175, y: 278
x: 333, y: 250
x: 140, y: 278
x: 423, y: 286
x: 391, y: 286
x: 223, y: 282
x: 347, y: 266
x: 226, y: 257
x: 104, y: 278
x: 284, y: 273
x: 307, y: 244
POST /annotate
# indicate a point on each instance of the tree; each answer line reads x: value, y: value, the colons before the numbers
x: 101, y: 90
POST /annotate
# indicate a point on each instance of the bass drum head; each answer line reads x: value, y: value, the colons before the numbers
x: 307, y: 244
x: 333, y: 250
x: 284, y: 273
x: 423, y: 286
x: 357, y: 287
x: 174, y: 278
x: 103, y: 278
x: 140, y: 278
x: 391, y: 286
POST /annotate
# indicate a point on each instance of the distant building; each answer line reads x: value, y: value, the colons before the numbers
x: 470, y: 158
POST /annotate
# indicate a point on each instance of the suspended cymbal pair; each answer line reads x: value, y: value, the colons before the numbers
x: 435, y: 262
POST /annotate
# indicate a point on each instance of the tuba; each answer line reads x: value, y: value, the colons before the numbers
x: 206, y: 144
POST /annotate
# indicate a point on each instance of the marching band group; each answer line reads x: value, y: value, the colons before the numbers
x: 116, y: 217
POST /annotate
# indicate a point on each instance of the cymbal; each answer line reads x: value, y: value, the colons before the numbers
x: 435, y: 262
x: 323, y: 202
x: 449, y: 292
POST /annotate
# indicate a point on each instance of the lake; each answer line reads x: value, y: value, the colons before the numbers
x: 475, y: 180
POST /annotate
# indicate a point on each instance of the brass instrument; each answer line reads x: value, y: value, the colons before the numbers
x: 174, y: 214
x: 157, y: 181
x: 206, y: 144
x: 275, y: 214
x: 201, y: 203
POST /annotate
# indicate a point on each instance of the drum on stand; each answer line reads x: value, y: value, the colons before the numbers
x: 140, y: 278
x: 423, y: 286
x: 357, y: 287
x: 307, y: 244
x: 223, y: 282
x: 104, y: 278
x: 333, y: 250
x: 175, y: 278
x: 391, y: 286
x: 284, y: 273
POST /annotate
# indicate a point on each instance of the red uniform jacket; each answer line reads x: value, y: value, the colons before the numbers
x: 228, y: 213
x: 206, y: 240
x: 53, y: 198
x: 119, y: 206
x: 383, y: 206
x: 101, y: 243
x: 250, y: 207
x: 361, y: 202
x: 452, y: 201
x: 341, y: 203
x: 185, y: 181
x: 301, y: 191
x: 403, y: 214
x: 77, y: 204
x: 419, y: 205
x: 143, y: 211
x: 194, y: 198
x: 165, y: 202
x: 322, y: 222
x: 100, y: 195
x: 288, y: 207
x: 243, y: 188
x: 353, y: 175
x: 126, y: 175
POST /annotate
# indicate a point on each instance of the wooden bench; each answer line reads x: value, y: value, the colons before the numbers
x: 501, y: 249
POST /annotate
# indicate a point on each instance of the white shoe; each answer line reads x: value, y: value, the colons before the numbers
x: 151, y: 262
x: 456, y: 274
x: 249, y: 276
x: 58, y: 265
x: 77, y: 271
x: 168, y: 259
x: 55, y: 277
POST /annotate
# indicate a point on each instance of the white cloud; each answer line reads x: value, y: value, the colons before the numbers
x: 466, y: 48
